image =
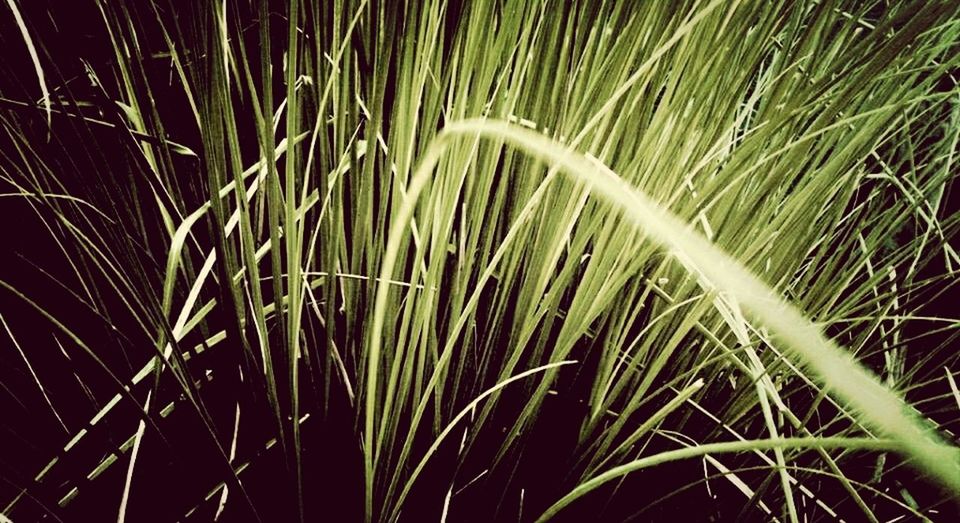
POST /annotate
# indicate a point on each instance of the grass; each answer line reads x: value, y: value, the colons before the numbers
x: 504, y: 260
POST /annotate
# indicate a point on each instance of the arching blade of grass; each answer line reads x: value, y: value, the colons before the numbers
x: 856, y: 387
x: 813, y: 142
x: 713, y: 448
x: 875, y: 404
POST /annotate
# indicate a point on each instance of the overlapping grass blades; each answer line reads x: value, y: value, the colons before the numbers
x: 380, y: 256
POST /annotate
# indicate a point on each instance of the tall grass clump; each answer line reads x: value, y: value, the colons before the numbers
x: 494, y: 260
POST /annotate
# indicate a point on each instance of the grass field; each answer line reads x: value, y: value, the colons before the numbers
x: 492, y: 260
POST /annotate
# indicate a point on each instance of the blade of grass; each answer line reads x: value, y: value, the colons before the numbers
x: 713, y: 448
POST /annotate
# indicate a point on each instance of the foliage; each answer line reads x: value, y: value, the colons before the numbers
x: 498, y: 260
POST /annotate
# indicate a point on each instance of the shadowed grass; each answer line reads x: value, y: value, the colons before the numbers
x: 290, y: 255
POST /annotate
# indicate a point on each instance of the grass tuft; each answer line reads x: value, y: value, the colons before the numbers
x: 496, y: 260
